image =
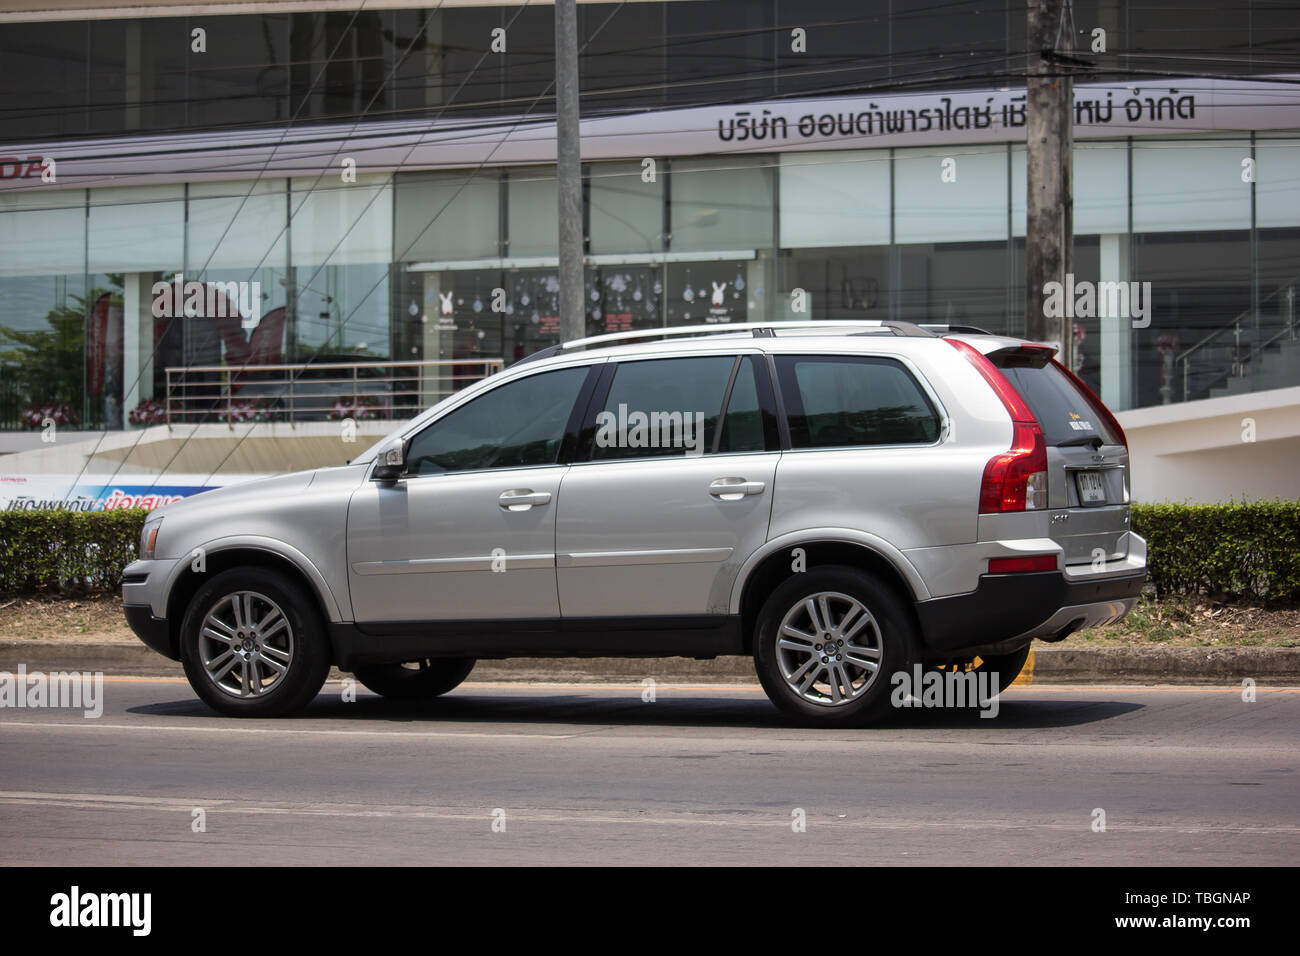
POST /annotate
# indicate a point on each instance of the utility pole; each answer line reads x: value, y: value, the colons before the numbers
x: 1049, y: 174
x: 569, y: 171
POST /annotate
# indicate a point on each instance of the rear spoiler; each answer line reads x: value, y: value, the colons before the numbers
x: 1028, y: 355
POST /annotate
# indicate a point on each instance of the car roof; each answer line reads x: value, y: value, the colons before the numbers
x: 829, y: 336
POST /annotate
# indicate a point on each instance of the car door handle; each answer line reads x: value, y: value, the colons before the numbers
x: 521, y: 499
x: 733, y: 489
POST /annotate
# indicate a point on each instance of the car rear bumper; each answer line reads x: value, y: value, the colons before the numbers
x: 1048, y: 605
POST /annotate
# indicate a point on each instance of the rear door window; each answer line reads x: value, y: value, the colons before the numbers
x: 843, y: 400
x: 663, y: 407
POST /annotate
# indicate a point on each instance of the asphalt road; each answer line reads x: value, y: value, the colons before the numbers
x: 701, y: 775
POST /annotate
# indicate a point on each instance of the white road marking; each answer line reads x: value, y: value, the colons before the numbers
x: 587, y: 816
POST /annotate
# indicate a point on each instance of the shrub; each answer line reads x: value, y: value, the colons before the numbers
x: 67, y: 551
x: 1236, y: 552
x: 1241, y: 553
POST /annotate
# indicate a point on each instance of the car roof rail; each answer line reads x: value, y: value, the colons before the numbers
x: 959, y: 329
x: 758, y: 330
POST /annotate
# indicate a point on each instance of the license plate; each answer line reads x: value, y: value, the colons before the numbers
x: 1092, y: 491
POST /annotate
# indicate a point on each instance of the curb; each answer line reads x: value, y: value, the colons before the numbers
x: 1047, y: 665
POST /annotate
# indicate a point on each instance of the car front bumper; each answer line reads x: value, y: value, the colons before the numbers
x: 144, y: 601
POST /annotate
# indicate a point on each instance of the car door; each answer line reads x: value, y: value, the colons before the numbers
x: 653, y: 527
x: 468, y: 533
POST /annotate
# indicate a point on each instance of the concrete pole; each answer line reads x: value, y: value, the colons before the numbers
x: 569, y: 171
x: 1049, y: 126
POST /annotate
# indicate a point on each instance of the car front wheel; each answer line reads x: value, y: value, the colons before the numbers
x: 253, y: 644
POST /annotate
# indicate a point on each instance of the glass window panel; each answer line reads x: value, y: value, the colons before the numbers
x: 136, y: 229
x: 721, y: 204
x: 42, y: 345
x: 237, y: 225
x: 655, y: 408
x: 533, y: 212
x: 708, y: 292
x: 973, y: 206
x: 342, y: 224
x: 243, y: 77
x: 444, y: 217
x: 56, y: 105
x: 343, y: 311
x: 846, y: 282
x: 42, y: 232
x: 958, y: 283
x: 1277, y: 184
x: 1185, y: 184
x: 627, y: 214
x: 743, y: 427
x: 719, y: 52
x: 518, y: 425
x: 835, y: 401
x: 835, y: 199
x: 1100, y: 189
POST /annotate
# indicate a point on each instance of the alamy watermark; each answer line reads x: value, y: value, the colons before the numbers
x: 973, y: 688
x: 76, y: 908
x: 209, y: 300
x: 73, y: 690
x: 1098, y: 300
x: 651, y: 430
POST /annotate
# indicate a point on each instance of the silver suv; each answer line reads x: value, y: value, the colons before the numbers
x: 843, y: 501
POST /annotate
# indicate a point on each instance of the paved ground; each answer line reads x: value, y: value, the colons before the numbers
x: 705, y: 774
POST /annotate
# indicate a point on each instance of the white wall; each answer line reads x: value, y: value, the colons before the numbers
x: 1200, y: 451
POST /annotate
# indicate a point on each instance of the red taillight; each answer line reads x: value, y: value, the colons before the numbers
x: 1015, y: 480
x: 1039, y: 562
x: 1097, y: 404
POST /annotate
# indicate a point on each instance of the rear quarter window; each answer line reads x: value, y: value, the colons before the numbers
x: 835, y: 401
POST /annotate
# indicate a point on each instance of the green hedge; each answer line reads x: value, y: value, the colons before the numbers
x: 67, y: 551
x: 1233, y: 552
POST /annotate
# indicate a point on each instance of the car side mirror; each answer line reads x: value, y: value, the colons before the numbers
x: 390, y: 463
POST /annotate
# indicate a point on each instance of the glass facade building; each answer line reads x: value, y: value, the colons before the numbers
x: 461, y: 264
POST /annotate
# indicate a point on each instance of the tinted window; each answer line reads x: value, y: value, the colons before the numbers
x: 662, y: 407
x: 743, y: 426
x: 1062, y: 410
x: 512, y: 426
x: 833, y: 401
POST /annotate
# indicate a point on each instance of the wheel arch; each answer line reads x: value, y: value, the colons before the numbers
x: 223, y: 556
x: 772, y: 565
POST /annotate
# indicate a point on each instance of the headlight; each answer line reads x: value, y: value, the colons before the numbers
x: 149, y: 539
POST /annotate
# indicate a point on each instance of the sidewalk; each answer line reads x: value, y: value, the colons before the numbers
x: 1149, y: 664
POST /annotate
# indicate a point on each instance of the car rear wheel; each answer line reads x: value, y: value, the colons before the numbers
x: 416, y: 680
x: 826, y: 643
x: 253, y: 644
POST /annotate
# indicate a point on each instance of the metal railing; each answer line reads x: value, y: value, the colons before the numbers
x: 324, y: 391
x: 1238, y: 356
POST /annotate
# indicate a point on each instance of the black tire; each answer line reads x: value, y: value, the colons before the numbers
x: 893, y: 635
x: 416, y: 680
x: 306, y: 661
x: 1006, y: 666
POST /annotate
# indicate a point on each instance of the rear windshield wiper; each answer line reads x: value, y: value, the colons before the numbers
x: 1094, y: 440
